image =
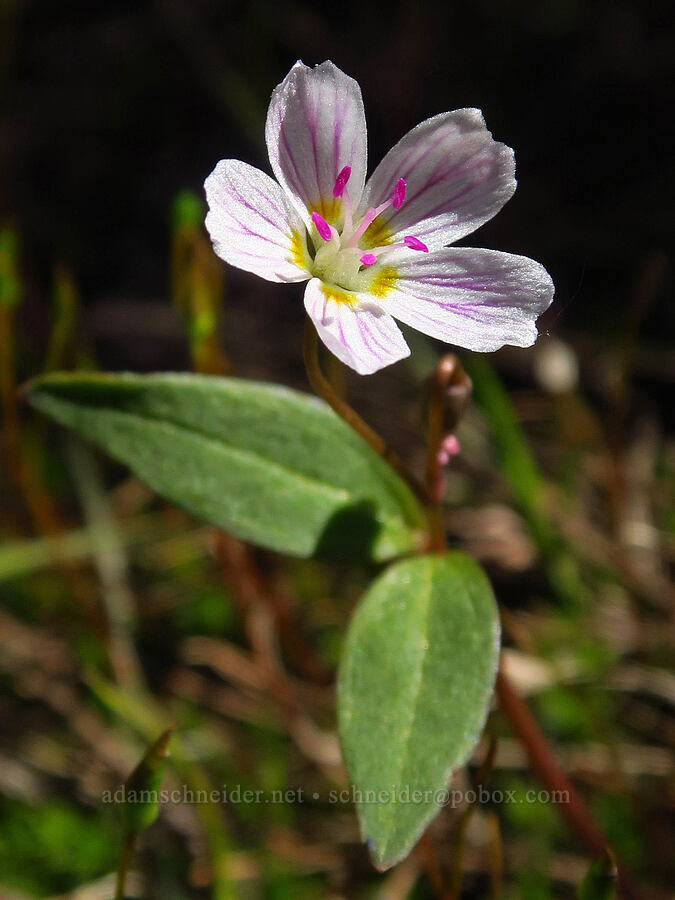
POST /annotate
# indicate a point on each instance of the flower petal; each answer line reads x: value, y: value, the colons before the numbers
x: 316, y: 126
x: 479, y: 299
x: 457, y: 177
x: 252, y: 224
x: 358, y: 333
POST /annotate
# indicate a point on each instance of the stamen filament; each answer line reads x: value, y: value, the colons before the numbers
x: 344, y: 252
x: 365, y: 223
x: 347, y: 206
x: 378, y: 251
x: 412, y: 243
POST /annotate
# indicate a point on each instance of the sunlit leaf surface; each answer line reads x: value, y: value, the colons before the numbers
x: 415, y: 684
x: 270, y: 465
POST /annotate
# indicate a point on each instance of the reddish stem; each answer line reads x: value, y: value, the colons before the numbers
x: 449, y: 397
x: 551, y: 775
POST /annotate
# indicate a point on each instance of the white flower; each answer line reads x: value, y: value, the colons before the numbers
x: 377, y: 250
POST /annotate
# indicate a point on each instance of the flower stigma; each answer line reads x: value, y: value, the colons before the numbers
x: 340, y: 260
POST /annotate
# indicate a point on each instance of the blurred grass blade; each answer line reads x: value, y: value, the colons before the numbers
x: 600, y: 881
x: 65, y: 304
x: 515, y: 457
x: 11, y: 290
x: 197, y: 283
x: 270, y: 465
x: 19, y: 558
x: 10, y: 279
x: 522, y: 473
x: 111, y: 564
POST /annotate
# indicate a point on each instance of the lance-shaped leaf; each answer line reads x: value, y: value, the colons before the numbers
x: 265, y: 463
x: 415, y: 684
x: 142, y: 787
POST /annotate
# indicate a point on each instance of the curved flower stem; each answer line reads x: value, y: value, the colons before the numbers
x: 325, y: 390
x: 551, y: 775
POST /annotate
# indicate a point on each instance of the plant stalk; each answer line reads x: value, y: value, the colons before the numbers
x: 551, y: 775
x: 325, y: 390
x: 448, y: 399
x: 125, y: 862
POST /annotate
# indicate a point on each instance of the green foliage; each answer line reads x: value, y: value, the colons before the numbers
x: 616, y: 817
x: 565, y: 714
x: 10, y: 278
x: 600, y: 882
x: 415, y: 684
x: 533, y: 885
x: 65, y: 303
x: 283, y: 885
x: 516, y: 459
x: 208, y: 611
x: 197, y: 283
x: 188, y: 210
x: 535, y: 817
x: 53, y: 847
x: 520, y: 470
x: 268, y: 464
x: 142, y: 787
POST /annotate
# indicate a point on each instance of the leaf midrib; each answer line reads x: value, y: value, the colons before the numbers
x: 413, y: 715
x: 402, y: 508
x: 399, y: 513
x: 221, y: 444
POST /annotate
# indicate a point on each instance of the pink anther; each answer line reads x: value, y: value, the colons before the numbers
x: 341, y: 183
x: 399, y: 194
x: 415, y: 244
x: 322, y: 226
x: 368, y: 259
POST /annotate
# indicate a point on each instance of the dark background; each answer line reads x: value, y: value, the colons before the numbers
x: 109, y: 109
x: 107, y: 112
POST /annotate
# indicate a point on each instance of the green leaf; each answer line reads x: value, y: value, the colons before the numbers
x: 267, y: 464
x: 142, y: 787
x: 414, y: 689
